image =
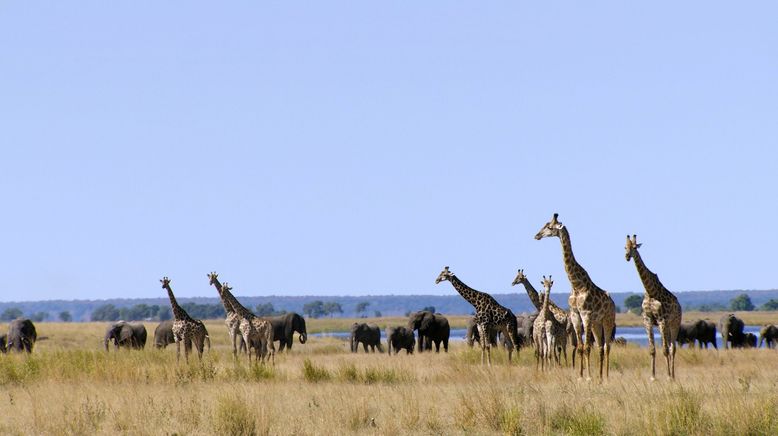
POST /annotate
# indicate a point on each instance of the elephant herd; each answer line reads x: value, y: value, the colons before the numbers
x: 133, y: 335
x: 433, y: 329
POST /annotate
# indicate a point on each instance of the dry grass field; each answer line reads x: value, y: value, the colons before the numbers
x: 69, y: 385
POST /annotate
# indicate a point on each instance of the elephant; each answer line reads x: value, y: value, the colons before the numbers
x: 398, y: 338
x: 749, y: 340
x: 526, y: 324
x: 702, y: 331
x: 621, y: 341
x: 731, y: 328
x: 367, y: 334
x: 163, y: 334
x: 3, y: 341
x: 432, y: 327
x: 472, y: 336
x: 284, y: 327
x: 768, y: 333
x: 125, y: 334
x: 21, y: 335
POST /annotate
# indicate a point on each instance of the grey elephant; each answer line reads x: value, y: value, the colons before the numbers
x: 163, y: 334
x: 3, y: 341
x: 432, y: 327
x: 367, y: 335
x: 749, y: 340
x: 731, y: 328
x: 400, y: 338
x: 21, y: 335
x: 125, y: 334
x: 768, y: 333
x: 472, y: 336
x: 284, y: 327
x: 701, y: 331
x: 526, y: 324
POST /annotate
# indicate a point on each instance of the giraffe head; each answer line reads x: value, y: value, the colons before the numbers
x: 632, y: 247
x: 165, y: 282
x: 212, y: 277
x: 444, y: 275
x: 520, y: 277
x: 551, y: 228
x: 226, y: 287
x: 547, y: 284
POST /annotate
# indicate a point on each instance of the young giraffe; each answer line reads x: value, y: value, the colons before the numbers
x: 591, y: 308
x: 660, y: 308
x: 488, y: 314
x: 256, y: 332
x: 558, y: 312
x: 547, y: 329
x: 232, y: 320
x: 185, y: 328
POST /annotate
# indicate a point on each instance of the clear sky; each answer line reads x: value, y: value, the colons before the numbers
x: 357, y: 148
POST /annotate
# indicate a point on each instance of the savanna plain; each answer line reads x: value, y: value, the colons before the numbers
x: 70, y: 385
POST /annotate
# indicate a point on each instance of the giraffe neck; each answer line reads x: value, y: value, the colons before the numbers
x: 544, y: 308
x: 579, y: 278
x: 468, y: 293
x: 236, y: 306
x: 649, y: 279
x: 225, y: 303
x: 532, y: 294
x: 178, y: 312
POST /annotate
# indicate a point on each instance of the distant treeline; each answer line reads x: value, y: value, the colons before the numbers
x: 350, y: 306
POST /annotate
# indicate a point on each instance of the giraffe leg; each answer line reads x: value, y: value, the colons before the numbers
x: 187, y: 348
x: 234, y: 345
x: 587, y: 347
x: 673, y: 340
x: 506, y: 331
x: 663, y: 335
x: 651, y: 347
x: 598, y: 333
x: 485, y: 349
x: 178, y: 349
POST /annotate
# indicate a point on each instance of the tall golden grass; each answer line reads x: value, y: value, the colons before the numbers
x: 69, y: 385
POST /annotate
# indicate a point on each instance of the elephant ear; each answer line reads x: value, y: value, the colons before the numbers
x: 426, y: 321
x: 125, y: 334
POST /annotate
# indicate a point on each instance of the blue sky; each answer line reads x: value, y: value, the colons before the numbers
x: 353, y: 148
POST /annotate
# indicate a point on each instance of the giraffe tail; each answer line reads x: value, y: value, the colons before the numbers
x: 208, y: 341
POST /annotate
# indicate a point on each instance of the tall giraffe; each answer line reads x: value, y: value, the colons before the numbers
x: 232, y: 318
x: 488, y: 314
x: 256, y: 332
x: 660, y: 308
x: 547, y: 329
x: 185, y: 328
x: 560, y: 314
x: 591, y: 308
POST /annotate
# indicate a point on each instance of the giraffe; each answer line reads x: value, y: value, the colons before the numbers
x: 256, y: 332
x: 592, y: 310
x: 660, y: 308
x: 558, y: 312
x: 185, y: 328
x: 488, y: 314
x: 233, y: 319
x: 547, y: 329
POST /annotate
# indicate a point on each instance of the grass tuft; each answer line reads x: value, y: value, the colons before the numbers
x: 233, y: 417
x: 314, y: 373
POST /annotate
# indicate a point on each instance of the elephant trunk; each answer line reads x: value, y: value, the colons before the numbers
x: 303, y: 337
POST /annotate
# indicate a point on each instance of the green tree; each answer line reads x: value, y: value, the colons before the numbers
x: 11, y: 314
x: 332, y: 307
x: 39, y: 316
x: 265, y: 309
x: 314, y: 309
x: 65, y: 316
x: 771, y: 304
x: 106, y: 312
x: 634, y: 303
x: 741, y: 302
x: 377, y: 314
x: 361, y: 307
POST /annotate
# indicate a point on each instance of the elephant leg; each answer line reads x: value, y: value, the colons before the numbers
x: 651, y: 347
x: 364, y: 345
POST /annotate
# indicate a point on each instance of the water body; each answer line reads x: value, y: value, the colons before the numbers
x: 633, y: 335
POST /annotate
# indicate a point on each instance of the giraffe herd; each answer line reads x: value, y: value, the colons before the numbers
x: 591, y: 319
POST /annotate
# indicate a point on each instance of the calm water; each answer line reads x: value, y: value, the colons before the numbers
x: 635, y: 335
